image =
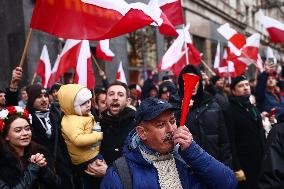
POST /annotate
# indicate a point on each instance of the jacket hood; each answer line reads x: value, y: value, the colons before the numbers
x: 66, y: 96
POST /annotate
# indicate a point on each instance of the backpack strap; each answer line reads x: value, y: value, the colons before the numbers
x: 123, y: 171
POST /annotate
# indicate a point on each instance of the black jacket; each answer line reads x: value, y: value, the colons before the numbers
x: 272, y: 171
x: 247, y: 138
x: 31, y: 176
x: 55, y: 145
x: 206, y: 123
x: 115, y: 131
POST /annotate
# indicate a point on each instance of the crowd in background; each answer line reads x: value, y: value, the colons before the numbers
x: 236, y: 120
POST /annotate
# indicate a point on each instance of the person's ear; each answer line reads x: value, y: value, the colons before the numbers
x: 233, y: 91
x: 141, y: 132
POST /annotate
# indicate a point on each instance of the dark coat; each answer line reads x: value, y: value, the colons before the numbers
x: 272, y: 171
x: 31, y: 176
x: 55, y: 146
x: 11, y: 97
x: 247, y: 139
x: 206, y: 123
x: 115, y: 130
x: 265, y: 99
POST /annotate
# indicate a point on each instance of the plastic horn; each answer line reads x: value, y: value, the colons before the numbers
x: 190, y: 81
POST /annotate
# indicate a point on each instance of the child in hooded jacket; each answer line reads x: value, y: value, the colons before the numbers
x: 77, y: 128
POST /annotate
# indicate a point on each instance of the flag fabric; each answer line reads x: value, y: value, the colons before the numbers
x: 166, y: 27
x: 173, y: 10
x: 68, y: 57
x: 51, y: 78
x: 175, y: 57
x: 226, y: 67
x: 217, y: 57
x: 103, y: 51
x: 249, y: 53
x: 120, y: 74
x: 76, y: 55
x: 235, y: 40
x: 274, y: 28
x: 44, y: 68
x: 91, y: 19
x: 84, y: 69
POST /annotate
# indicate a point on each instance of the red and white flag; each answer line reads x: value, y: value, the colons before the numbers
x: 120, y: 74
x: 235, y: 40
x: 51, y: 78
x: 175, y: 57
x: 166, y: 27
x: 274, y: 27
x: 76, y: 55
x: 68, y: 57
x: 217, y: 57
x: 91, y: 19
x: 226, y: 67
x: 84, y: 69
x: 173, y: 10
x: 103, y: 51
x: 249, y: 53
x: 43, y: 67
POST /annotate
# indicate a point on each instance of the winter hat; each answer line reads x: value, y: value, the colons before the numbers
x: 81, y: 97
x: 193, y: 70
x: 34, y: 92
x: 236, y: 80
x: 214, y: 79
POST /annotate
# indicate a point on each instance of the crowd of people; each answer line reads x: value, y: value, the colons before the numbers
x: 118, y: 136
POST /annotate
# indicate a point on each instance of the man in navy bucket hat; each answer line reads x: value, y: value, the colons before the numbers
x: 158, y: 154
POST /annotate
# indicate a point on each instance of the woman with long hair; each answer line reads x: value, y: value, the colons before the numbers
x: 23, y: 163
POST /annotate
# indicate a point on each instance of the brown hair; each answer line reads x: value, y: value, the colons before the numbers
x: 121, y: 84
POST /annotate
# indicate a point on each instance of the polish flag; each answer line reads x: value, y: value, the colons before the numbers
x: 249, y: 53
x: 173, y: 10
x: 68, y: 57
x: 84, y: 69
x: 91, y: 19
x: 76, y: 55
x: 235, y: 40
x: 273, y: 27
x: 270, y: 54
x: 51, y: 79
x: 120, y: 74
x: 259, y: 64
x: 166, y: 27
x: 175, y: 57
x: 226, y: 67
x: 44, y: 68
x: 103, y: 51
x: 217, y: 56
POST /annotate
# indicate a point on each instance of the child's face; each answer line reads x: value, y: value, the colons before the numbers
x: 86, y: 107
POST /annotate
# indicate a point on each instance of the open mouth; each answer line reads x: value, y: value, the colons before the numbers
x: 114, y: 106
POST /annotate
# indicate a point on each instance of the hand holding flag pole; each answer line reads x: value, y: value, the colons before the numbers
x: 190, y: 82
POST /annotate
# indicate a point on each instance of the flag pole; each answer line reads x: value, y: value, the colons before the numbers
x: 97, y: 64
x: 208, y: 68
x: 33, y: 79
x: 185, y: 45
x: 26, y: 48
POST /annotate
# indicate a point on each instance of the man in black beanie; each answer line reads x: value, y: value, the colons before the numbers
x: 46, y: 132
x: 246, y: 133
x: 205, y: 120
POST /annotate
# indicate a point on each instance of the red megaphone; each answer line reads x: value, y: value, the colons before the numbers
x: 190, y: 81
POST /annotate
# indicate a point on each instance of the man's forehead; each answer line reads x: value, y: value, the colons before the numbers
x: 117, y: 88
x: 243, y: 82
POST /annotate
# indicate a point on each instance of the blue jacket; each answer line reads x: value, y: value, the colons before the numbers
x: 196, y: 168
x: 265, y: 100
